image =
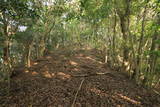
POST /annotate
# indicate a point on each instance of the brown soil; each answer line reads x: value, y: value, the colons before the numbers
x: 53, y: 81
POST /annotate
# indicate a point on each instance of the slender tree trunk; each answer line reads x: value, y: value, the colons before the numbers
x: 43, y: 39
x: 6, y: 52
x: 138, y: 62
x: 124, y: 23
x: 125, y: 31
x: 114, y: 31
x: 28, y: 57
x: 6, y: 44
x: 153, y: 57
x: 42, y: 47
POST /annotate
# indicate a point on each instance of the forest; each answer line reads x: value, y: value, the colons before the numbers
x: 80, y: 53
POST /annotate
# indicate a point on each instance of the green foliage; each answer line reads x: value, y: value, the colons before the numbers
x: 95, y: 9
x: 18, y: 9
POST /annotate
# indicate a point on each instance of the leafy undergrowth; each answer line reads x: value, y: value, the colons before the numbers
x: 53, y: 81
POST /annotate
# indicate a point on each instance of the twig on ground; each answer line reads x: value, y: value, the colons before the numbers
x: 77, y: 92
x: 155, y: 91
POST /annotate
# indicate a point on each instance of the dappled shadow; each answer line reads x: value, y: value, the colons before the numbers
x: 50, y: 81
x: 51, y: 65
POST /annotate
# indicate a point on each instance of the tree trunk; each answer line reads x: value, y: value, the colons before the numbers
x: 114, y: 32
x: 125, y: 32
x: 42, y: 47
x: 6, y: 52
x: 28, y: 59
x: 43, y: 39
x: 138, y: 62
x: 6, y: 44
x: 124, y: 23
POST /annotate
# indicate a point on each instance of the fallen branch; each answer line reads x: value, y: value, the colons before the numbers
x: 77, y: 93
x: 93, y: 74
x: 155, y: 91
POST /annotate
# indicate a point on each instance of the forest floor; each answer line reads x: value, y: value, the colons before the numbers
x: 75, y: 78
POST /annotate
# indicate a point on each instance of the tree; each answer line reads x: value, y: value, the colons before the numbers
x: 13, y: 13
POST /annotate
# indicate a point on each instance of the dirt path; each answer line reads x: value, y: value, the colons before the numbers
x: 54, y: 80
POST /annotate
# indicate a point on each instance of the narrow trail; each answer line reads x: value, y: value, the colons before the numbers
x: 75, y: 79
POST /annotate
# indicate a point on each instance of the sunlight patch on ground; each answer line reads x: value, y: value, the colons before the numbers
x: 63, y: 75
x: 75, y: 69
x: 90, y: 58
x: 47, y: 74
x: 34, y: 73
x: 48, y: 57
x: 35, y: 63
x: 73, y: 63
x: 26, y: 71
